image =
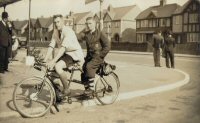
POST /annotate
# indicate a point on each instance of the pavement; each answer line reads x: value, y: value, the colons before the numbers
x: 136, y: 80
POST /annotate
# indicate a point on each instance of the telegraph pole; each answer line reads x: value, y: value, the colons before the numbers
x: 29, y: 27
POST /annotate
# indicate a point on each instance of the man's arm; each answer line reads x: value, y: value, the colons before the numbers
x: 50, y: 50
x: 59, y: 55
x: 105, y: 43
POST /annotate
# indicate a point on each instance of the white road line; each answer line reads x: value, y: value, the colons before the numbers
x: 133, y: 94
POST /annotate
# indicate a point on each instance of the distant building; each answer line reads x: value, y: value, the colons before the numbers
x: 44, y: 28
x: 79, y: 20
x: 154, y: 18
x: 32, y: 29
x: 20, y: 27
x: 186, y: 22
x: 120, y: 22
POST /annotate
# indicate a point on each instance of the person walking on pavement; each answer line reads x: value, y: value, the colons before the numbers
x: 98, y: 46
x: 5, y: 43
x: 69, y: 52
x: 169, y: 46
x: 157, y: 45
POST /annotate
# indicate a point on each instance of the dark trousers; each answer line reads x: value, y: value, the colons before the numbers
x: 90, y: 67
x: 156, y: 55
x: 169, y: 56
x: 3, y: 58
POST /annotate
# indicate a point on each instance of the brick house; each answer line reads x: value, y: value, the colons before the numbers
x: 154, y: 18
x: 186, y: 22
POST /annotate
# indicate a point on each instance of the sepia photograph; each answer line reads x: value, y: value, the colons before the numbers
x: 99, y: 61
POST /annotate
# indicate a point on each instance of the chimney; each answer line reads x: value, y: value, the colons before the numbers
x: 71, y: 13
x: 163, y: 2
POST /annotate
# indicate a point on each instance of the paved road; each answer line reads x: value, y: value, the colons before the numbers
x: 178, y: 105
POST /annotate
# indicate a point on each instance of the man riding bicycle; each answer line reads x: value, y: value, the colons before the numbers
x: 69, y: 52
x: 98, y: 45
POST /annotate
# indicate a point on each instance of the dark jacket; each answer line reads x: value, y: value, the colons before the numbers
x: 5, y: 37
x: 169, y: 44
x: 98, y: 45
x: 157, y: 41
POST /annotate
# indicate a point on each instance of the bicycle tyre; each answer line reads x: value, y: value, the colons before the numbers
x: 31, y: 94
x: 105, y: 95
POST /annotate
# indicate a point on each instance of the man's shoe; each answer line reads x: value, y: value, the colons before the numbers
x: 6, y: 70
x: 88, y: 91
x: 64, y: 94
x: 2, y: 72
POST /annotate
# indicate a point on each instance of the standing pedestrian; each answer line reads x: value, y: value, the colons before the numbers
x: 157, y: 45
x: 5, y: 42
x: 169, y: 46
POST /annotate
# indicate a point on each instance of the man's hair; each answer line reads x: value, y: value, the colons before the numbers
x: 4, y: 15
x: 90, y: 18
x: 56, y: 16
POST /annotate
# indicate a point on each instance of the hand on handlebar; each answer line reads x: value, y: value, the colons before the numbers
x: 50, y: 65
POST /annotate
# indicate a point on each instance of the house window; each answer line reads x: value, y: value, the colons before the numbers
x: 186, y: 18
x: 197, y: 27
x: 194, y: 28
x: 190, y: 28
x: 177, y: 19
x: 168, y: 22
x: 162, y: 22
x: 138, y: 24
x: 185, y: 28
x: 155, y: 23
x: 193, y: 37
x: 144, y: 23
x: 193, y: 18
x: 141, y: 38
x: 150, y: 23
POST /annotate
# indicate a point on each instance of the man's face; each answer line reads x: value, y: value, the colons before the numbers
x: 58, y: 23
x: 5, y: 19
x: 90, y: 24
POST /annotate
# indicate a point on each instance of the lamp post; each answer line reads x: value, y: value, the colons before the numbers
x: 29, y: 27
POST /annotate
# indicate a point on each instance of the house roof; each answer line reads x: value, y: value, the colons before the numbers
x: 117, y: 13
x: 33, y: 21
x: 45, y: 22
x: 182, y: 8
x: 159, y: 11
x: 102, y: 14
x: 18, y: 25
x: 79, y: 16
x: 120, y: 12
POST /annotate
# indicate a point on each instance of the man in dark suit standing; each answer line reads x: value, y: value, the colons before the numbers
x: 5, y: 42
x: 169, y: 50
x: 157, y: 44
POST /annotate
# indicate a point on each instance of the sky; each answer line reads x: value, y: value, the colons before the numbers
x: 46, y: 8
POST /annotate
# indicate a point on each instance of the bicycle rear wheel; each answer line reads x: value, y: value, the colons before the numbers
x: 107, y: 89
x: 32, y: 97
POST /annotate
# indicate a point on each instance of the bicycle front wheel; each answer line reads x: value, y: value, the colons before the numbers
x: 107, y: 89
x: 33, y: 97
